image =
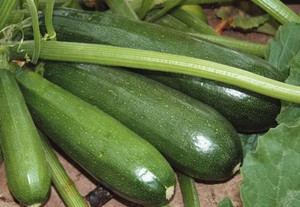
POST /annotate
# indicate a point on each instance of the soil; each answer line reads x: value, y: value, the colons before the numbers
x: 210, y: 194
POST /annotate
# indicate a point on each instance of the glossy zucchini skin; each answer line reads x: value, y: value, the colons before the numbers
x: 247, y: 111
x: 27, y: 174
x: 109, y: 151
x: 194, y: 137
x: 115, y: 30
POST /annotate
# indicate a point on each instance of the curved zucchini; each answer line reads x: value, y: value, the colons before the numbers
x: 116, y: 30
x: 194, y: 137
x: 109, y: 151
x: 28, y: 177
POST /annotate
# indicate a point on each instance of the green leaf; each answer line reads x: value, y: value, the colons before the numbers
x: 290, y: 112
x: 284, y: 47
x: 226, y: 202
x: 271, y: 174
x: 249, y: 142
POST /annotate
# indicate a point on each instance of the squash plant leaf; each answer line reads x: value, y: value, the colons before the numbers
x: 284, y: 47
x: 271, y: 174
x: 290, y: 112
x: 249, y: 142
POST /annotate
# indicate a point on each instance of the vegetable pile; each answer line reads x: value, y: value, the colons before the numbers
x: 143, y: 95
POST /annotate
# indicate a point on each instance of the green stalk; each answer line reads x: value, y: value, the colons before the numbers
x: 48, y: 19
x: 6, y: 7
x: 206, y: 1
x: 241, y: 45
x: 146, y: 6
x: 169, y: 21
x: 36, y: 31
x: 188, y: 190
x: 194, y: 22
x: 278, y: 10
x: 196, y: 10
x: 167, y: 6
x: 143, y: 59
x: 62, y: 182
x: 122, y: 7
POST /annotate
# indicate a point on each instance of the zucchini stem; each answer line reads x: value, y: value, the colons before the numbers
x: 143, y: 59
x: 122, y: 7
x: 193, y: 21
x: 62, y: 182
x: 167, y: 6
x: 241, y: 45
x: 188, y: 190
x: 278, y: 10
x: 36, y: 31
x: 48, y: 19
x: 5, y: 11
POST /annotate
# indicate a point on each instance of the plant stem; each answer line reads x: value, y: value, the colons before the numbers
x: 36, y: 31
x: 278, y: 10
x: 62, y: 182
x: 194, y: 22
x: 241, y: 45
x: 206, y: 1
x: 48, y: 19
x: 169, y: 21
x: 122, y: 7
x: 143, y: 59
x: 167, y: 6
x: 6, y: 7
x: 188, y: 190
x: 146, y: 6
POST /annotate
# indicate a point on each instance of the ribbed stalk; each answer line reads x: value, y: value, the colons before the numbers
x: 142, y: 59
x: 194, y: 22
x: 188, y: 190
x: 278, y: 10
x: 122, y: 7
x: 241, y: 45
x: 6, y: 7
x: 36, y: 30
x: 48, y: 19
x: 62, y: 182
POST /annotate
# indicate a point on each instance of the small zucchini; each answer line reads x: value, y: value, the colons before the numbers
x: 194, y: 137
x: 27, y: 173
x: 117, y: 157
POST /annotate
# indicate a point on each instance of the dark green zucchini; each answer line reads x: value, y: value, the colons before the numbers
x: 248, y: 112
x: 255, y: 112
x: 124, y: 162
x: 194, y: 137
x: 27, y: 174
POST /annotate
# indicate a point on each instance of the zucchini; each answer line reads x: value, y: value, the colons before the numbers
x: 248, y: 112
x: 256, y: 112
x: 27, y: 173
x: 117, y: 157
x: 194, y: 137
